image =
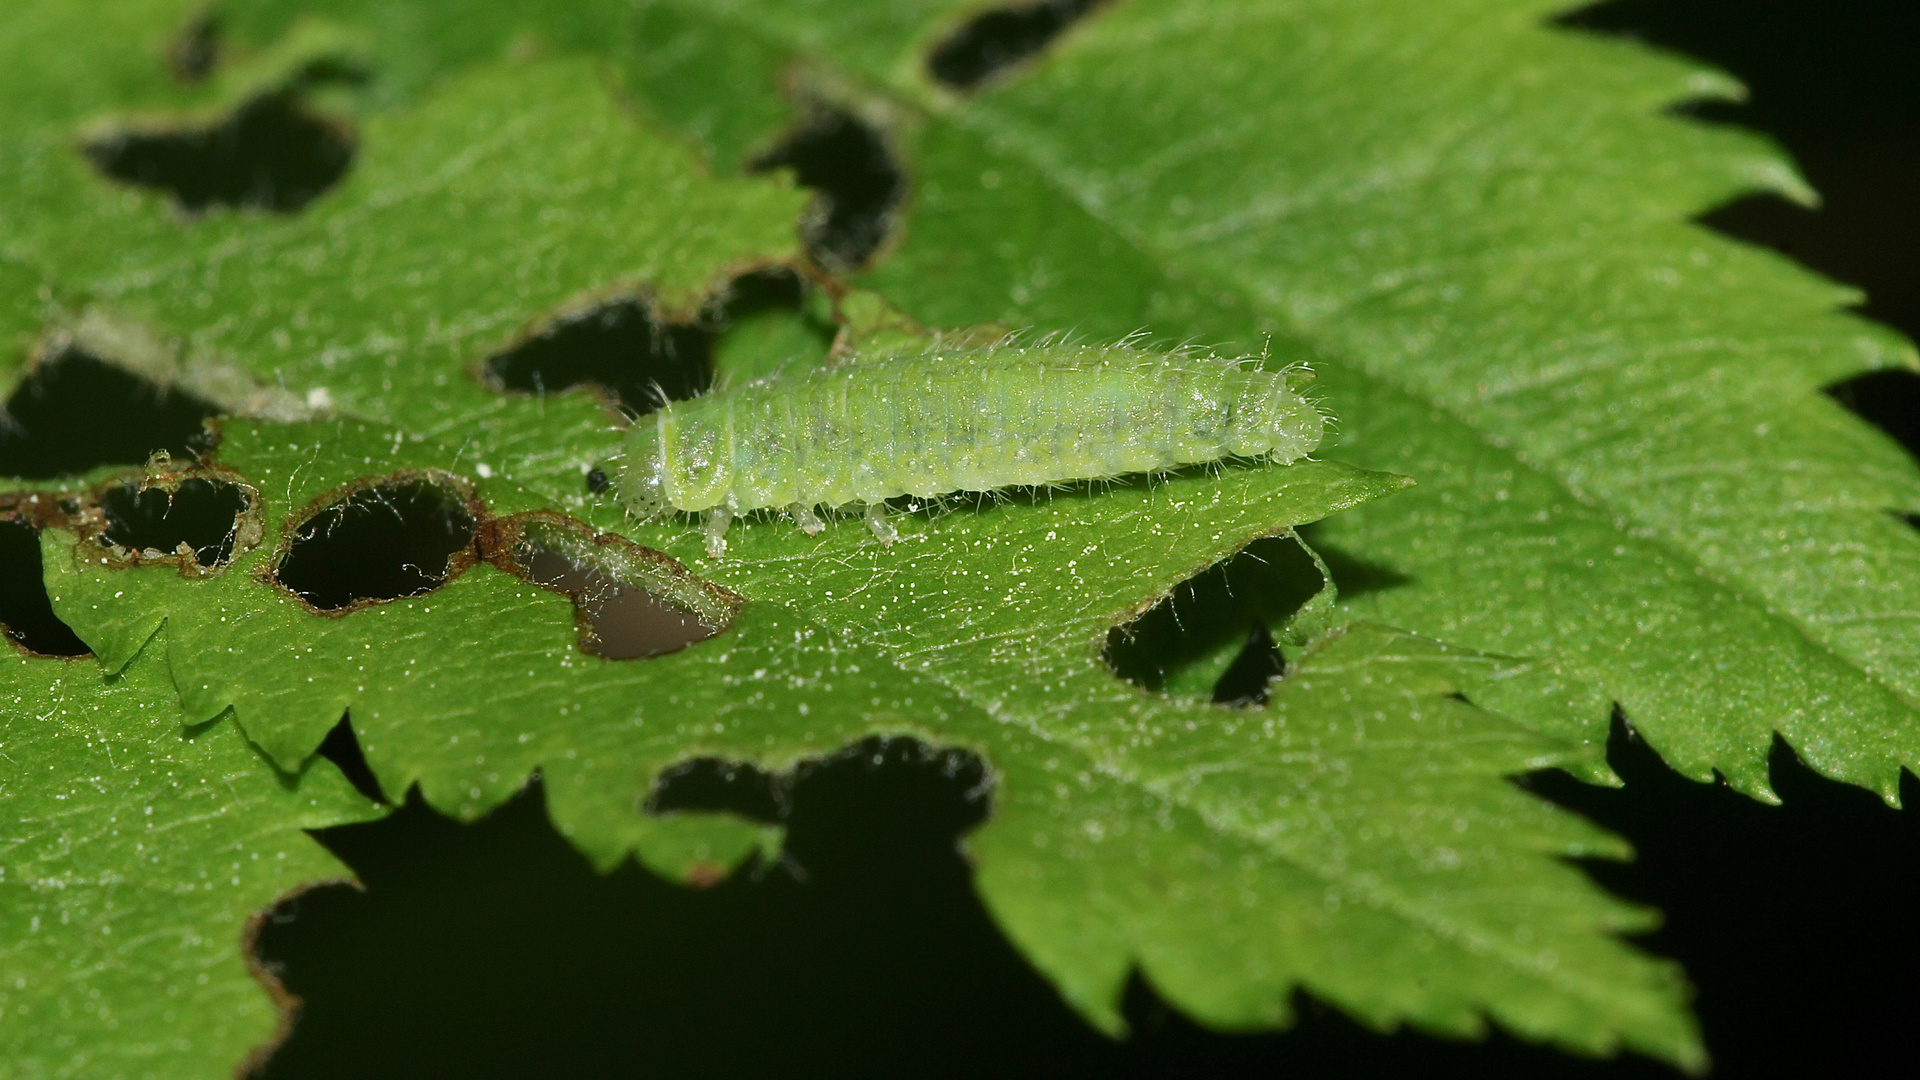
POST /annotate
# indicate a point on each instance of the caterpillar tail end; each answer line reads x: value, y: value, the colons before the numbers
x: 877, y: 521
x: 718, y: 519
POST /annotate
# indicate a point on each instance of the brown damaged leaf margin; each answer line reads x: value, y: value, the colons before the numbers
x: 86, y: 519
x: 40, y: 510
x: 457, y: 563
x: 506, y: 542
x: 700, y: 310
x: 286, y: 1003
x: 865, y: 325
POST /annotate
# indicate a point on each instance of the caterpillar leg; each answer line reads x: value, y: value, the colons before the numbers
x: 804, y: 517
x: 877, y: 521
x: 718, y: 519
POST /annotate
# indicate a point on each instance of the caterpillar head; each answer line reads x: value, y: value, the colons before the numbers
x: 1297, y: 427
x: 643, y: 480
x: 1279, y: 425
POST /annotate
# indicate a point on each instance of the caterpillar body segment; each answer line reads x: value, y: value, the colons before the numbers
x: 858, y: 434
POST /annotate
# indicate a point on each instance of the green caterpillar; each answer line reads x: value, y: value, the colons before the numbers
x: 860, y: 433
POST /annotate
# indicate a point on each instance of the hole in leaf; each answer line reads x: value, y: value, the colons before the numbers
x: 853, y: 788
x: 1206, y: 628
x: 994, y: 40
x: 621, y: 347
x: 494, y: 949
x: 762, y: 325
x: 629, y: 601
x: 708, y: 784
x: 775, y: 288
x: 1247, y: 680
x: 1889, y: 400
x: 195, y: 49
x: 25, y: 611
x: 74, y: 412
x: 1352, y: 575
x: 200, y: 514
x: 860, y: 185
x: 402, y: 537
x: 271, y: 154
x: 342, y: 748
x: 621, y: 621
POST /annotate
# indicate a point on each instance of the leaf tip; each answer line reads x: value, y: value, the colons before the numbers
x: 1779, y: 177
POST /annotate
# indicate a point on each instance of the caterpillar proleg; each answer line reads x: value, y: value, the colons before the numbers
x: 855, y: 435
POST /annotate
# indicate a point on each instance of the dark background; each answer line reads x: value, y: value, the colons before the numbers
x: 494, y: 950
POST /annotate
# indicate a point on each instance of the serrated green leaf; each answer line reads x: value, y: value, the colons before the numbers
x: 467, y: 690
x: 1472, y: 222
x: 132, y: 854
x: 980, y: 628
x: 1476, y: 223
